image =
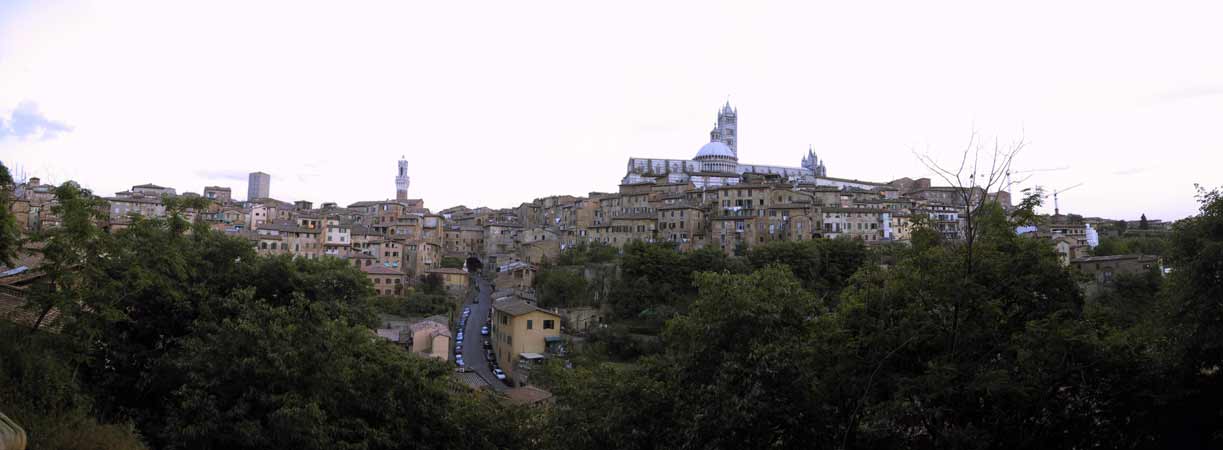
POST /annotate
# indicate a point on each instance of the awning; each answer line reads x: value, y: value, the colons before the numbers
x: 553, y: 339
x: 531, y: 356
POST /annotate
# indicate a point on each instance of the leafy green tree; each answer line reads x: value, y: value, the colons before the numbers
x: 587, y: 253
x: 1145, y: 245
x: 203, y: 344
x: 823, y: 265
x: 432, y: 284
x: 612, y: 406
x: 562, y: 287
x: 923, y: 235
x: 738, y: 381
x: 451, y: 262
x: 39, y: 390
x: 10, y: 236
x: 322, y: 383
x: 652, y: 275
x: 414, y: 304
x: 726, y: 379
x: 1193, y: 319
x: 1022, y: 369
x: 72, y: 254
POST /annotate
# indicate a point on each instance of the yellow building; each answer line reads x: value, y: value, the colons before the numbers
x: 453, y: 279
x: 521, y: 331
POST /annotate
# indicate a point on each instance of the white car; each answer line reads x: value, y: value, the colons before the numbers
x: 500, y: 374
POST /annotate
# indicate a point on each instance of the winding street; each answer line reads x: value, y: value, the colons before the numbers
x: 473, y: 348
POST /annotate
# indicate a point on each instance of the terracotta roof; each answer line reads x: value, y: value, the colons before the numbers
x: 378, y: 269
x: 517, y: 307
x: 287, y: 228
x: 856, y: 210
x: 138, y: 199
x: 1092, y: 259
x: 526, y: 395
x: 12, y: 309
x: 450, y: 270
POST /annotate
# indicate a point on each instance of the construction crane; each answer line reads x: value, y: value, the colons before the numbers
x: 1056, y: 210
x: 1007, y: 183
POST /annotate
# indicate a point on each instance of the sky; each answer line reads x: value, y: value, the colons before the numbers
x: 498, y: 103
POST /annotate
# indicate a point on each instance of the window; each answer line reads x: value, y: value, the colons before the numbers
x: 530, y: 323
x: 509, y: 339
x: 549, y: 324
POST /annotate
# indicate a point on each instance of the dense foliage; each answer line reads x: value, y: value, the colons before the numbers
x: 452, y: 262
x: 184, y: 338
x: 1145, y: 245
x: 199, y: 343
x: 932, y: 350
x: 427, y: 298
x: 9, y: 235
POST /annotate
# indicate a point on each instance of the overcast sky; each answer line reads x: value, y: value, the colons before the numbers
x: 498, y: 103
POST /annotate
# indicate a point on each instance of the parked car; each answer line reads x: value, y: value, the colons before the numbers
x: 488, y: 344
x: 484, y: 330
x: 459, y: 337
x: 500, y: 374
x: 488, y: 355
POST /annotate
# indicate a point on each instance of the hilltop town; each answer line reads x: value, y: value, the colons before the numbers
x: 510, y: 300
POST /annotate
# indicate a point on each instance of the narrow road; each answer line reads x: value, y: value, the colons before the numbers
x: 473, y: 341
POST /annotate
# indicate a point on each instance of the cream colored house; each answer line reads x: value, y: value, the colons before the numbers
x: 431, y: 337
x: 521, y: 330
x: 454, y: 280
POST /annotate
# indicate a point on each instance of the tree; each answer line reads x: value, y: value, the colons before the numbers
x: 40, y: 391
x: 474, y: 265
x: 347, y: 391
x: 823, y: 265
x: 1195, y: 284
x: 72, y: 253
x: 923, y: 235
x: 1026, y: 372
x: 451, y: 262
x: 586, y: 253
x: 726, y: 379
x: 10, y: 236
x: 973, y: 190
x: 562, y: 287
x: 203, y: 344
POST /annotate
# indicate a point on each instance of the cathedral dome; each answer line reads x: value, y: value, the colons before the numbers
x: 715, y: 148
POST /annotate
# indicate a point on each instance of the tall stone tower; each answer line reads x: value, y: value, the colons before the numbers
x: 726, y: 131
x: 401, y: 180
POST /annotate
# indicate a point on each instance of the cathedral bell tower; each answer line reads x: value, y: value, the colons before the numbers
x: 726, y: 130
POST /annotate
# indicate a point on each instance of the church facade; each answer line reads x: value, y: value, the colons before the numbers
x: 717, y: 162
